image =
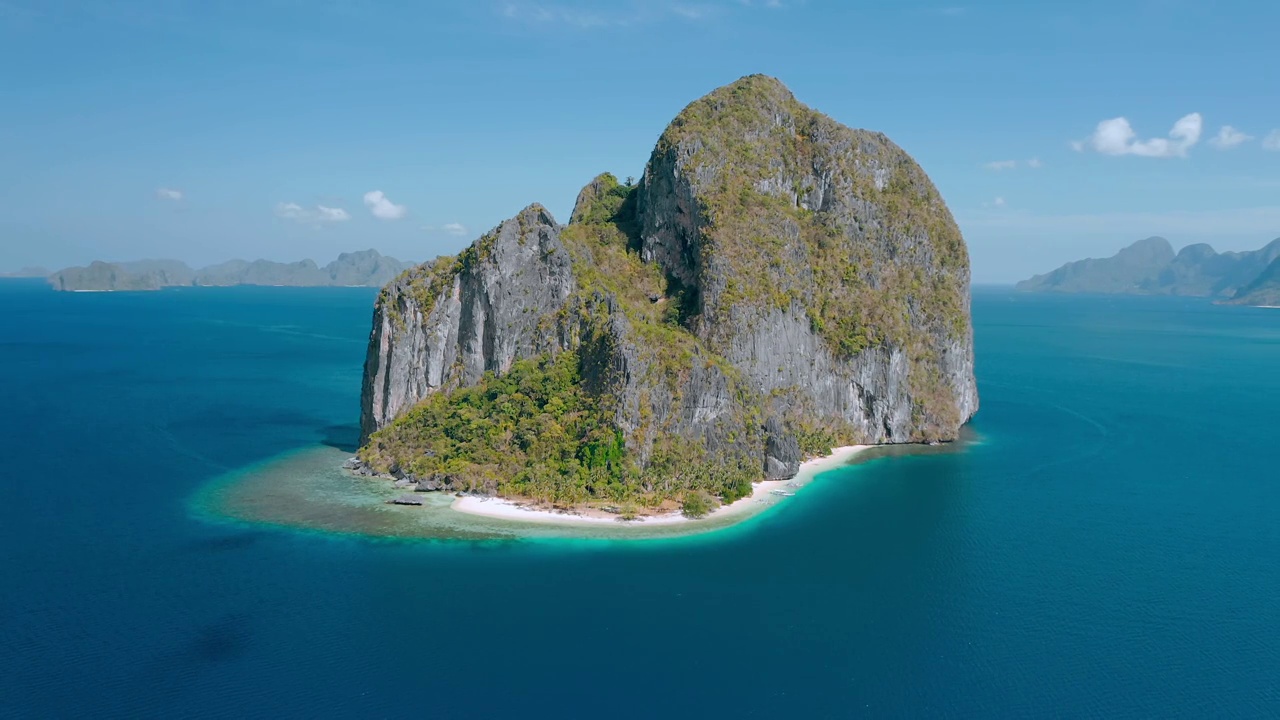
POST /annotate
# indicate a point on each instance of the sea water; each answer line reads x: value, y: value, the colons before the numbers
x: 1107, y: 547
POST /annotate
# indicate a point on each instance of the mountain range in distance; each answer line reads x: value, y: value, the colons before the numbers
x: 1150, y: 267
x: 366, y: 268
x: 26, y: 272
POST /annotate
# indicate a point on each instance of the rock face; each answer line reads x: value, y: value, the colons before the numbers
x: 1150, y: 267
x: 444, y: 324
x: 777, y: 284
x: 823, y: 263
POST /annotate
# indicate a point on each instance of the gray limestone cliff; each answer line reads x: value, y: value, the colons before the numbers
x: 776, y: 284
x: 443, y: 324
x: 824, y: 264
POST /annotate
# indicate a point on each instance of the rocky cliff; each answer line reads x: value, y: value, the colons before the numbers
x: 444, y: 324
x: 775, y: 285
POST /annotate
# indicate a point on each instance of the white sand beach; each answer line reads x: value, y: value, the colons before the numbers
x: 761, y: 496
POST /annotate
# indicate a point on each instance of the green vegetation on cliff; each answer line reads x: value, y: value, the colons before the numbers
x: 531, y: 432
x: 534, y: 432
x: 766, y: 195
x: 603, y: 242
x: 798, y: 211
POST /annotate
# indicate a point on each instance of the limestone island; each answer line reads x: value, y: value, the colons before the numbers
x: 774, y: 286
x: 366, y: 268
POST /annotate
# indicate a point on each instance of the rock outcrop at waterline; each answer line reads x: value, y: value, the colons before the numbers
x: 775, y: 285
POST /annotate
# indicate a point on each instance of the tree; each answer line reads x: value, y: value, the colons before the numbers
x: 696, y: 504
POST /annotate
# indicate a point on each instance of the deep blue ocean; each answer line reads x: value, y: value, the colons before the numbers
x: 1109, y: 547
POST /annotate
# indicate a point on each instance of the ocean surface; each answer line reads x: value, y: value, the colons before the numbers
x: 1109, y: 546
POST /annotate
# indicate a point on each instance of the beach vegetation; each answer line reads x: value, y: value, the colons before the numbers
x: 696, y: 504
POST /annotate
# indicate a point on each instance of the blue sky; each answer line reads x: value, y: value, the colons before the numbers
x: 287, y: 129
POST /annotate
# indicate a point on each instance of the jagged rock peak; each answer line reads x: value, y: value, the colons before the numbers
x: 784, y: 223
x: 445, y: 323
x: 590, y: 196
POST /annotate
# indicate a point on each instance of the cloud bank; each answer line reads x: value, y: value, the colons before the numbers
x: 318, y: 215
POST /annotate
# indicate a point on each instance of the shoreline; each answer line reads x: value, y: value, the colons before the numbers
x: 760, y: 498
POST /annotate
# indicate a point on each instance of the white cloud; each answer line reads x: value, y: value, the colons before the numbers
x: 330, y: 214
x: 1229, y: 137
x: 998, y: 202
x: 1034, y: 163
x: 1272, y: 141
x: 382, y: 207
x: 454, y: 228
x: 168, y: 194
x: 318, y: 215
x: 1117, y: 137
x: 290, y: 211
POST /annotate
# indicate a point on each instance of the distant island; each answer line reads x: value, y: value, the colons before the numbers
x: 26, y: 272
x: 775, y: 286
x: 367, y: 268
x: 1150, y: 267
x: 1264, y: 291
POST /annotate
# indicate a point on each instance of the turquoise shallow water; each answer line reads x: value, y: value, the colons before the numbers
x: 1108, y: 549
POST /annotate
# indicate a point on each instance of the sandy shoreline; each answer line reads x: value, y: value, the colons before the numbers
x: 760, y: 496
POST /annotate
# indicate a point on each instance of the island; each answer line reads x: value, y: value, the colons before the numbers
x: 776, y: 285
x: 1264, y: 290
x: 1150, y: 267
x: 366, y: 268
x: 26, y: 272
